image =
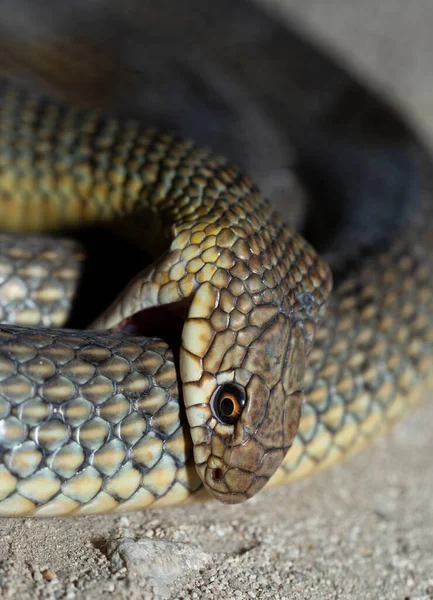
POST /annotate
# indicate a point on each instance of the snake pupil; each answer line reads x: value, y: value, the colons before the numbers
x: 227, y: 402
x: 227, y: 406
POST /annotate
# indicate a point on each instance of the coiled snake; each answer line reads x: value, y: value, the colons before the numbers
x: 94, y: 421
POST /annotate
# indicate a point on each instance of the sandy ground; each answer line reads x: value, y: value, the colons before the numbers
x: 361, y: 530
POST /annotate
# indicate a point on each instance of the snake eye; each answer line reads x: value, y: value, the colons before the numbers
x: 228, y: 402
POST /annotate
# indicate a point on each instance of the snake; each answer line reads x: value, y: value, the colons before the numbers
x: 232, y: 362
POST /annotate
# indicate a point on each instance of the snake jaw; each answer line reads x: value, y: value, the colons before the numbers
x: 235, y: 460
x: 244, y: 466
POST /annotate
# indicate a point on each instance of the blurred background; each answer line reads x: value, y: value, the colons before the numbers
x: 245, y: 77
x: 386, y: 42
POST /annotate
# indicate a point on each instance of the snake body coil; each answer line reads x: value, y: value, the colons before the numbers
x: 92, y: 421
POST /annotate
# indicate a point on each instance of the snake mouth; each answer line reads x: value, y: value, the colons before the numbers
x: 164, y: 321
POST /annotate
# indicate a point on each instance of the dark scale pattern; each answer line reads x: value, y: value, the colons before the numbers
x: 89, y: 423
x: 38, y: 279
x: 372, y: 359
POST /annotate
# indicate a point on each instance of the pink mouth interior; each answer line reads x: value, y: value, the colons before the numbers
x: 164, y: 321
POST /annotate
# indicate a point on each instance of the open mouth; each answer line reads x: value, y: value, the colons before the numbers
x: 164, y: 321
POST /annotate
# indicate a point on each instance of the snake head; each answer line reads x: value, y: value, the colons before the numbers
x: 244, y: 350
x: 249, y: 300
x: 242, y: 368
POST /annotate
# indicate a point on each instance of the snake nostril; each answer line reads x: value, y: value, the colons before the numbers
x: 217, y: 474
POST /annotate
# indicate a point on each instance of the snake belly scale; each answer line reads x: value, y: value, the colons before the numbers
x: 93, y: 421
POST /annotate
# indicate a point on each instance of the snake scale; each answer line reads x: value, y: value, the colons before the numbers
x: 250, y: 334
